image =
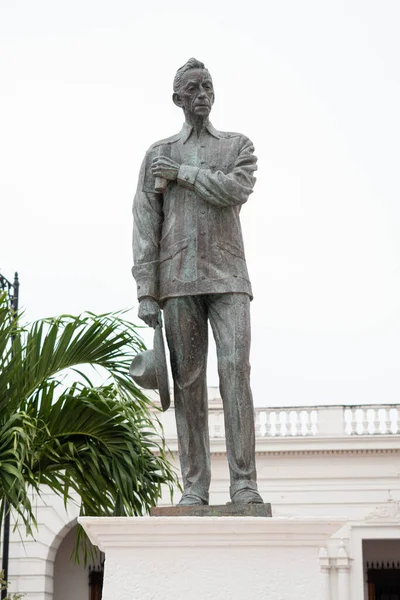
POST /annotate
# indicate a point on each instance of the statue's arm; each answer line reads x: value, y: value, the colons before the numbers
x: 223, y: 189
x: 147, y: 221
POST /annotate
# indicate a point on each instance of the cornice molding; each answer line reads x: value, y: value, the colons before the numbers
x: 150, y: 532
x: 352, y: 445
x: 329, y: 452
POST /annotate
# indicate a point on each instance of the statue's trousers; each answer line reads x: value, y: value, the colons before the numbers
x: 186, y: 324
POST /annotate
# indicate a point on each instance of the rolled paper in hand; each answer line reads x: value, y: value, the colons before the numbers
x: 160, y: 183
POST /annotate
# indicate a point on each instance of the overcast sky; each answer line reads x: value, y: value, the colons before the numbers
x: 85, y: 88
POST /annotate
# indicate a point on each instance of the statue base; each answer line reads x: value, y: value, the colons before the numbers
x: 219, y: 510
x: 235, y: 558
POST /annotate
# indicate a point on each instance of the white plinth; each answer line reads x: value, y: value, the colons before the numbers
x: 211, y: 558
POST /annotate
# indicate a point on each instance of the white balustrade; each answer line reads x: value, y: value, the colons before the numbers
x: 302, y: 422
x: 293, y: 422
x: 372, y: 420
x: 216, y: 424
x: 327, y: 421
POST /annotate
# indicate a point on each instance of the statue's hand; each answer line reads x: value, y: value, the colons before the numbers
x: 165, y: 167
x: 148, y: 311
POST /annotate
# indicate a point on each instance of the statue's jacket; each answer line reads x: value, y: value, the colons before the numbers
x: 188, y: 241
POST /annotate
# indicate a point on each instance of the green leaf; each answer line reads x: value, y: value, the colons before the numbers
x: 102, y: 442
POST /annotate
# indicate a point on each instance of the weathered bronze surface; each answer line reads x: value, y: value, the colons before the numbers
x: 219, y: 510
x: 189, y: 260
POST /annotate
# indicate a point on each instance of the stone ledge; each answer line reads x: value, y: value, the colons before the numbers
x: 218, y: 510
x: 141, y: 532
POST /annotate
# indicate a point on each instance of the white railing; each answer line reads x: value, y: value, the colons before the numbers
x: 321, y: 421
x: 305, y: 421
x: 292, y: 422
x: 372, y: 420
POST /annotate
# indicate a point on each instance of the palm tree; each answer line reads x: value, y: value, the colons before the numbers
x: 100, y: 442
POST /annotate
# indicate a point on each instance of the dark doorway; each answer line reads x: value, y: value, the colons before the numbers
x: 96, y: 584
x: 383, y: 581
x: 96, y: 577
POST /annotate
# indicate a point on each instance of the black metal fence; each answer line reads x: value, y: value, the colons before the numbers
x: 12, y: 290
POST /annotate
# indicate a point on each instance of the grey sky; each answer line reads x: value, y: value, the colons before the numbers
x: 86, y: 88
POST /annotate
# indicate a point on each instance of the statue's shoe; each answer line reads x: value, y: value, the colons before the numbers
x: 191, y: 500
x: 247, y: 496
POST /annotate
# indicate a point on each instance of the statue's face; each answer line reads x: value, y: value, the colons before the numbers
x: 196, y: 94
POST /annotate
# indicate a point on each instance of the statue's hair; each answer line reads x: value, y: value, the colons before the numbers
x: 192, y: 63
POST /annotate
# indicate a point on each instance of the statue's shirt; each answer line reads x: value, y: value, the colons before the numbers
x: 188, y: 241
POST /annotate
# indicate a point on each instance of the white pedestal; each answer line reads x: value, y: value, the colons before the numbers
x: 211, y: 558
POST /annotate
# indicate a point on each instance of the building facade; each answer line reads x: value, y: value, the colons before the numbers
x: 311, y: 461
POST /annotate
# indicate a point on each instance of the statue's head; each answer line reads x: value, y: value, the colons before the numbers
x: 193, y: 89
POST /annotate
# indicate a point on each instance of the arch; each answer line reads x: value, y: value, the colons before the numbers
x: 32, y: 558
x: 59, y: 538
x: 75, y: 580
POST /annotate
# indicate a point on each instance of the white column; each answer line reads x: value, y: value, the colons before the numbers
x: 325, y: 565
x: 343, y: 571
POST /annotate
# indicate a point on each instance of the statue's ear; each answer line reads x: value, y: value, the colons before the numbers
x: 177, y: 99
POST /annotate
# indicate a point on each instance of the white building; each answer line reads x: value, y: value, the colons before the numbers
x: 312, y: 461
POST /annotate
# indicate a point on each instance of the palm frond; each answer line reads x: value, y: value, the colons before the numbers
x: 98, y: 441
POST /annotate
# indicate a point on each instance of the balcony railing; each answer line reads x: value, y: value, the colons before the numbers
x: 312, y: 422
x: 322, y: 421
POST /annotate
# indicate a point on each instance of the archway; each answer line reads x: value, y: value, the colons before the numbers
x: 73, y: 580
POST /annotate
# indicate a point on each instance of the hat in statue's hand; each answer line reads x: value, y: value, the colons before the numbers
x: 149, y: 369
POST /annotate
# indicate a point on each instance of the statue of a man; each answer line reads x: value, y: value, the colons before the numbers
x: 189, y: 260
